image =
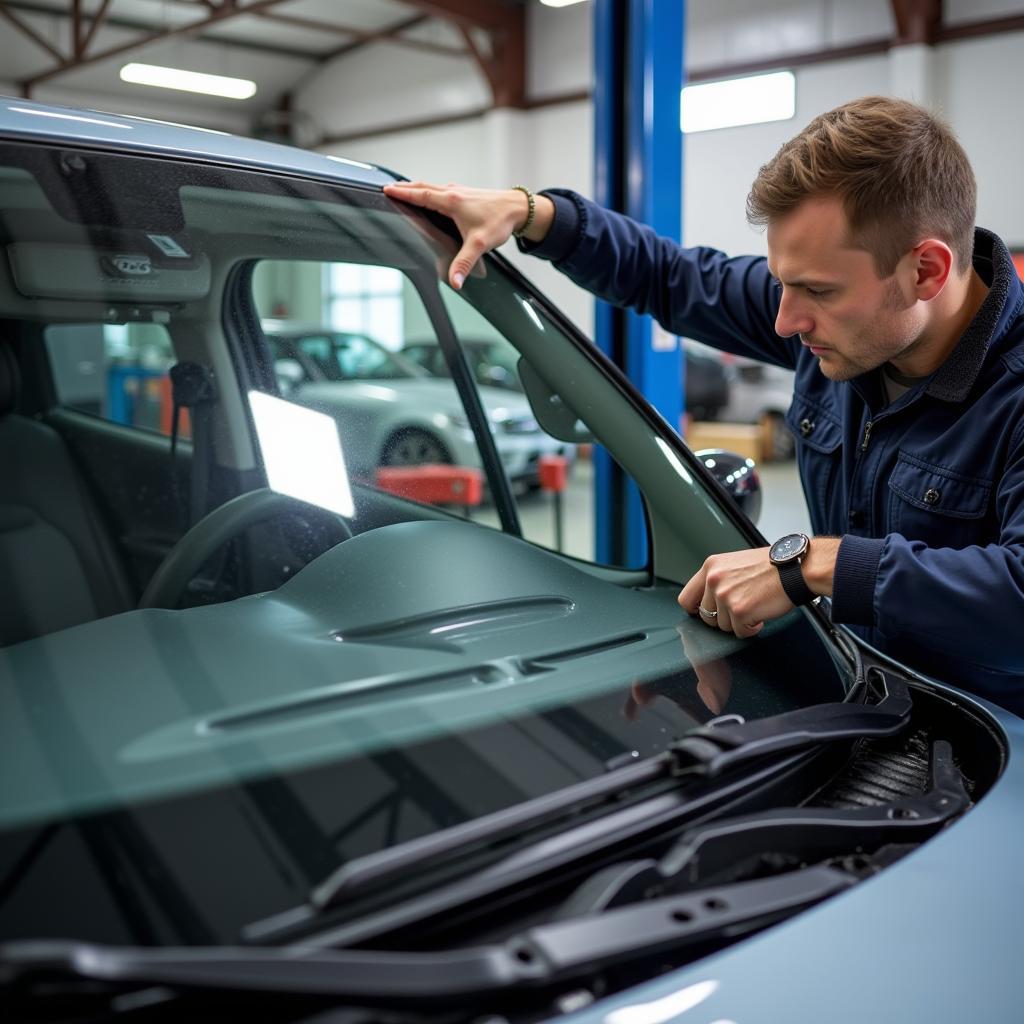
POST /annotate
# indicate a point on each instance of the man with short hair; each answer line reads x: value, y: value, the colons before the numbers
x: 904, y: 325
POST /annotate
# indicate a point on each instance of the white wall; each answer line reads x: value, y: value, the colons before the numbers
x: 551, y: 145
x: 974, y: 83
x: 974, y: 87
x: 732, y: 31
x: 978, y: 84
x: 554, y: 145
x: 560, y: 50
x: 719, y: 166
x: 548, y: 146
x: 385, y: 84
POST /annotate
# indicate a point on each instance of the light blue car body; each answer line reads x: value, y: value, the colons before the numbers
x: 931, y: 938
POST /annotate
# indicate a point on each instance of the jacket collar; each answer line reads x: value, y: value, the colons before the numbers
x: 953, y: 380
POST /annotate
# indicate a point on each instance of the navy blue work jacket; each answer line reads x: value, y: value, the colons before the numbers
x: 927, y: 493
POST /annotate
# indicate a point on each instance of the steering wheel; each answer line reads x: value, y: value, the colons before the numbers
x: 216, y: 528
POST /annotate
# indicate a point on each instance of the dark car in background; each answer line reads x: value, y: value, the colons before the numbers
x: 493, y: 362
x: 708, y: 385
x: 282, y: 743
x: 756, y: 393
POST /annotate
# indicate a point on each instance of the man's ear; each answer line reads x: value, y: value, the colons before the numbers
x: 933, y: 263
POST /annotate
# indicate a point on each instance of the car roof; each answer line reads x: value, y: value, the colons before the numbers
x: 41, y: 122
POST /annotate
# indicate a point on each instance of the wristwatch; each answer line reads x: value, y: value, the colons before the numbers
x: 786, y: 554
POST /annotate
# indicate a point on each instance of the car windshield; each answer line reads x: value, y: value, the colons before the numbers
x: 275, y: 599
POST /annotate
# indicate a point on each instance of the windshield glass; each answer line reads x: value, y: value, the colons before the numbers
x: 276, y: 597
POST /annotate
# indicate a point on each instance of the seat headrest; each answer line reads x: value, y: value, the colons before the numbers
x: 10, y: 380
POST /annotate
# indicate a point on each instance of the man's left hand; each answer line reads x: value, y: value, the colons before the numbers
x: 744, y: 589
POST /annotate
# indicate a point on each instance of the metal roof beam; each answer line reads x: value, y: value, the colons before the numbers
x: 505, y: 24
x: 361, y: 37
x: 485, y: 14
x: 917, y: 21
x: 224, y: 13
x: 98, y: 19
x: 102, y: 18
x: 29, y: 32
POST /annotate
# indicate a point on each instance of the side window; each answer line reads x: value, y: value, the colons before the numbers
x: 552, y: 478
x: 356, y: 343
x: 336, y: 332
x: 116, y: 371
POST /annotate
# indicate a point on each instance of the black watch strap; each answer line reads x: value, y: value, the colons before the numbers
x: 794, y: 584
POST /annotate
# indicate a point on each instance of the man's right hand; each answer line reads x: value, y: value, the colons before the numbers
x: 486, y: 218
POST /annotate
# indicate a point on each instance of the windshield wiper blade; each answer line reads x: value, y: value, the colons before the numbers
x: 800, y: 834
x: 708, y: 751
x: 714, y: 749
x: 546, y: 955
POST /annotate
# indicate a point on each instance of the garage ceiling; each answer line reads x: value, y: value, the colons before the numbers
x: 66, y: 49
x: 82, y: 44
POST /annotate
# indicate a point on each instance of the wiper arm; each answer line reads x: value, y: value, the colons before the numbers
x: 708, y: 751
x: 799, y: 833
x: 713, y: 749
x: 546, y: 955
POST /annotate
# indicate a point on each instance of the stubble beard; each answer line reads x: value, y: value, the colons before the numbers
x: 898, y: 338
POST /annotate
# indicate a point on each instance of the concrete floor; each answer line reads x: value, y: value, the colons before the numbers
x: 782, y: 510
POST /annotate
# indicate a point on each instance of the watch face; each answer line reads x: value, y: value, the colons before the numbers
x: 787, y: 548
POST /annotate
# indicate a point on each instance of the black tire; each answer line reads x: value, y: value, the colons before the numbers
x: 414, y: 447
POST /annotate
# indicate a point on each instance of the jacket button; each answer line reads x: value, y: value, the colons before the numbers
x: 806, y: 427
x: 931, y: 496
x: 856, y: 517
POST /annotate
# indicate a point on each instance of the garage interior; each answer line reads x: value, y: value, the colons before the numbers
x: 498, y: 92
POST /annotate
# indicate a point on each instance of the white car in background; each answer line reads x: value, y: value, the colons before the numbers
x: 391, y: 412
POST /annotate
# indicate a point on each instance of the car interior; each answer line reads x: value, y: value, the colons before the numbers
x: 116, y: 497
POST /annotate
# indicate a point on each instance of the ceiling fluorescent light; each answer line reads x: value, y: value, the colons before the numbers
x: 188, y: 81
x: 560, y: 3
x: 751, y: 100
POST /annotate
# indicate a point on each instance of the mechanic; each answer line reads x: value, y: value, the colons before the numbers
x: 903, y: 323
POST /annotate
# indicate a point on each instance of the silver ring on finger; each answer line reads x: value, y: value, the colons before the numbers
x: 707, y: 613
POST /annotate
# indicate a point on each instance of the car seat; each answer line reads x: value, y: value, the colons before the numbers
x: 58, y: 563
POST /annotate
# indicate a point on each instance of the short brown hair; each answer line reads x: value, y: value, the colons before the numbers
x: 899, y: 171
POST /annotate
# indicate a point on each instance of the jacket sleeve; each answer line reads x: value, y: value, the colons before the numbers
x: 964, y: 602
x: 727, y: 302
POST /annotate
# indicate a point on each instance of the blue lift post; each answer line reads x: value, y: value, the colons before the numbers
x: 638, y: 63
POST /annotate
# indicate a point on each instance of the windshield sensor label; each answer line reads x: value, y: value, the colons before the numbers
x: 168, y: 246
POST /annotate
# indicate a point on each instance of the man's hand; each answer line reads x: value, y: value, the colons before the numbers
x: 745, y: 590
x: 485, y: 218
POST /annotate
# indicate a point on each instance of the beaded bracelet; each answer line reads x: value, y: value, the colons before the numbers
x: 531, y: 209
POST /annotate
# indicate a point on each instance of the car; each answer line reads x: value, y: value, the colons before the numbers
x: 761, y: 392
x: 393, y: 412
x: 708, y: 385
x: 282, y: 743
x: 757, y: 393
x: 493, y: 361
